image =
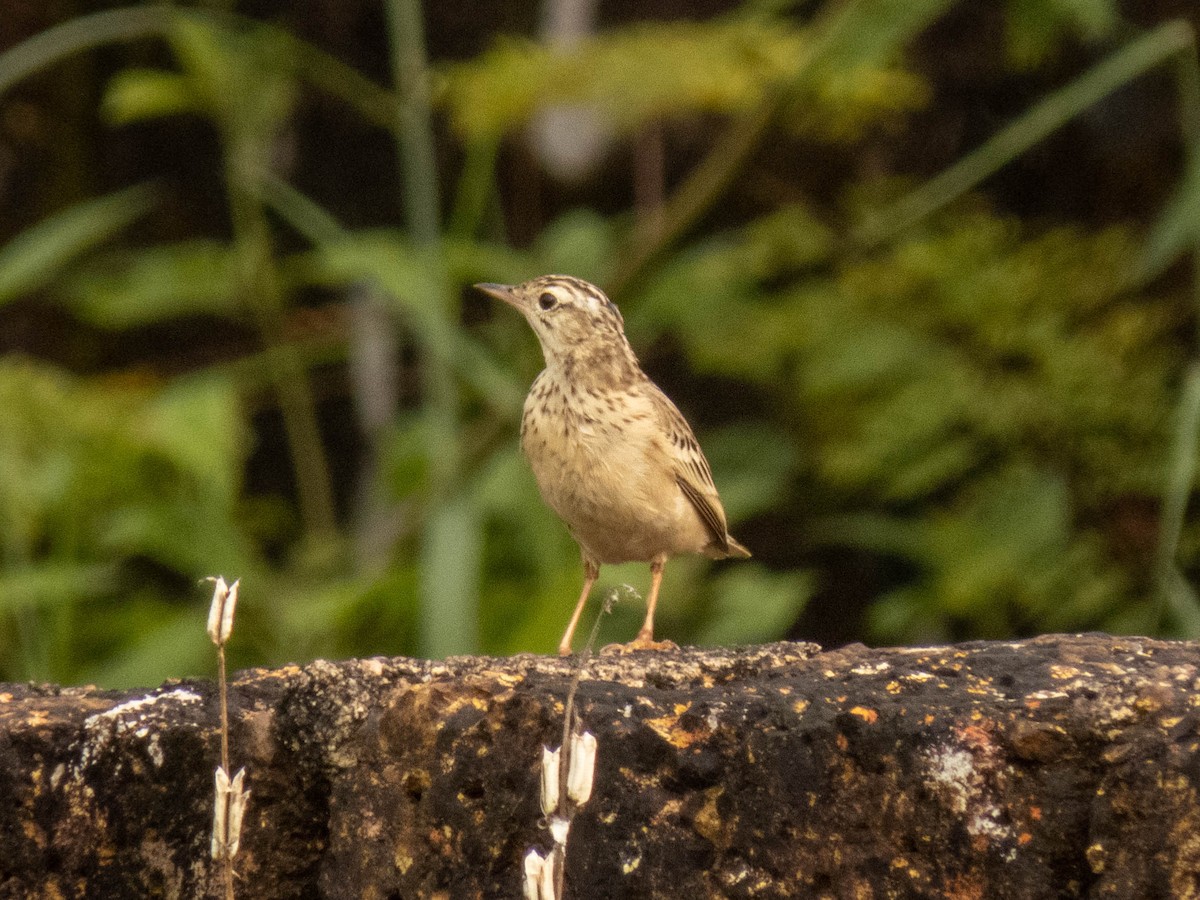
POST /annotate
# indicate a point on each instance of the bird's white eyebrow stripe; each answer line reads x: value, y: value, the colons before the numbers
x: 583, y: 292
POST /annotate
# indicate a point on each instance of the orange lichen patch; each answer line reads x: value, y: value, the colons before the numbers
x: 33, y: 834
x: 667, y: 812
x: 708, y: 822
x: 1063, y: 673
x: 283, y: 673
x: 1147, y: 702
x: 800, y: 707
x: 842, y: 742
x: 869, y: 716
x: 974, y: 735
x: 1035, y: 813
x: 893, y: 687
x: 456, y: 703
x: 1024, y: 838
x: 674, y: 733
x: 37, y: 717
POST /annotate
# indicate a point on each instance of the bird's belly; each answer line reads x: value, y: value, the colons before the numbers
x: 618, y: 502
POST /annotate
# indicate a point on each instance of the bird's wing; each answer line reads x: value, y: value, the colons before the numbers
x: 692, y: 473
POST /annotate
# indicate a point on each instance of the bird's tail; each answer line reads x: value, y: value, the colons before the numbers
x: 736, y: 550
x: 731, y: 549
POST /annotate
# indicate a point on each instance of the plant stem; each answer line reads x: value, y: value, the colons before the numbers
x: 415, y: 140
x: 227, y: 862
x: 260, y: 284
x: 1171, y: 591
x: 449, y: 567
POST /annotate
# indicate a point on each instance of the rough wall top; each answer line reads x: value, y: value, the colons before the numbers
x: 1061, y: 766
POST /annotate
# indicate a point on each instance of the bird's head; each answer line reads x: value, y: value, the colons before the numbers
x: 572, y: 318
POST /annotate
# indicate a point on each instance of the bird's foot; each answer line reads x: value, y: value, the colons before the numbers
x: 639, y: 643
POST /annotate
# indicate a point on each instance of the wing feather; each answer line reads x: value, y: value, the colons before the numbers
x: 692, y: 472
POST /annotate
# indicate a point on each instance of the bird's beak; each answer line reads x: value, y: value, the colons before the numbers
x: 501, y: 292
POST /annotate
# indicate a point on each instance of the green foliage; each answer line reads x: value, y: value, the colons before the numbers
x: 985, y: 406
x: 125, y: 289
x: 991, y: 396
x: 654, y: 71
x: 98, y: 477
x: 1036, y: 27
x: 36, y: 256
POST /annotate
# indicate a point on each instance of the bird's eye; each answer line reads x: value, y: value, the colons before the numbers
x: 547, y: 301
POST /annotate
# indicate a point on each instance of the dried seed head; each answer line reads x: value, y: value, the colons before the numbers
x: 220, y: 613
x: 228, y: 810
x: 534, y: 864
x: 582, y: 767
x: 548, y: 881
x: 551, y: 760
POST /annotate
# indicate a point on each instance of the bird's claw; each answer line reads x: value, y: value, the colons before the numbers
x: 639, y: 643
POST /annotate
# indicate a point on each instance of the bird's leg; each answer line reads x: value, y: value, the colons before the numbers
x: 645, y: 637
x: 591, y: 572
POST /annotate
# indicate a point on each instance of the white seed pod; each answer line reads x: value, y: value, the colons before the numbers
x: 547, y: 881
x: 220, y: 612
x: 551, y: 759
x: 238, y: 798
x: 220, y: 814
x: 582, y: 767
x: 228, y: 809
x: 534, y: 864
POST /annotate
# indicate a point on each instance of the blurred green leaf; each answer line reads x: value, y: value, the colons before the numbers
x: 54, y: 583
x: 754, y: 605
x: 450, y: 575
x: 174, y: 641
x: 753, y: 465
x: 38, y: 255
x: 1037, y: 27
x: 409, y: 277
x: 135, y: 95
x: 241, y: 77
x: 1177, y: 230
x: 97, y: 477
x: 651, y: 71
x: 580, y: 242
x: 156, y: 284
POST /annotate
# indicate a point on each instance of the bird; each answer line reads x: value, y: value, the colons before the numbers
x: 612, y: 455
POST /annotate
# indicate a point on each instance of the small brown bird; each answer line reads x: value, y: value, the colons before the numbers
x: 612, y: 455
